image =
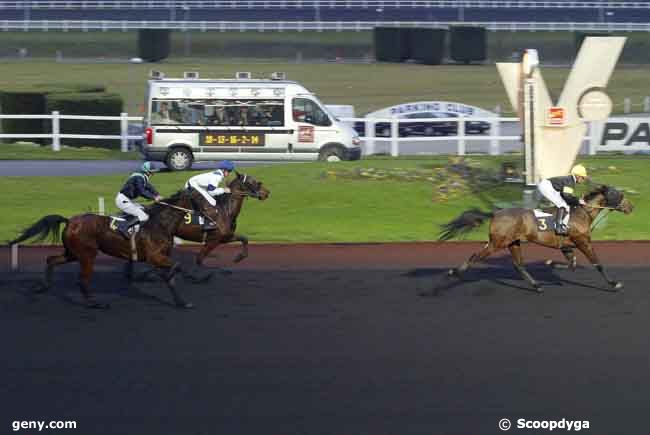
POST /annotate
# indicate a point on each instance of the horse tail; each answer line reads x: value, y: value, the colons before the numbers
x: 48, y: 226
x: 463, y: 224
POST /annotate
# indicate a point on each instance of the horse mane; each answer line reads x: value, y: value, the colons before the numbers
x: 613, y: 197
x: 600, y: 190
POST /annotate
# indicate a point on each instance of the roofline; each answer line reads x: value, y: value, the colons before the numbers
x: 225, y: 81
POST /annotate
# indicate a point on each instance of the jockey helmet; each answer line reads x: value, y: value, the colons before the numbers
x: 579, y: 171
x: 226, y: 165
x: 146, y: 168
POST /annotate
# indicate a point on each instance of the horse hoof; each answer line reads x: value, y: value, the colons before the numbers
x: 452, y: 272
x: 539, y: 289
x: 548, y: 262
x: 617, y: 285
x: 184, y: 305
x: 97, y: 306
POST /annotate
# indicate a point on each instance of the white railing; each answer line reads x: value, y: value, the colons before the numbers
x: 105, y: 25
x: 461, y: 137
x: 287, y: 4
x: 595, y: 139
x: 56, y: 134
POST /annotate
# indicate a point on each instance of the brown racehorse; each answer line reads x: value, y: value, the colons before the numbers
x: 511, y: 226
x: 229, y: 206
x: 84, y: 235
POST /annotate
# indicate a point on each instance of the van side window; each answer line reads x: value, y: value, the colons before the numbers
x: 231, y: 112
x: 165, y: 112
x: 308, y: 111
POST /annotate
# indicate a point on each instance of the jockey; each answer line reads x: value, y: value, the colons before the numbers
x: 559, y: 190
x: 207, y: 184
x: 136, y: 185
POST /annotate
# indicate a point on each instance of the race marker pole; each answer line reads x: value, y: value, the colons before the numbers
x: 101, y: 205
x: 14, y: 256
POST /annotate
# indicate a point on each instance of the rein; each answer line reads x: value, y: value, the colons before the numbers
x: 186, y: 210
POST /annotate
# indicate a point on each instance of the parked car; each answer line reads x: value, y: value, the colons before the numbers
x: 426, y: 128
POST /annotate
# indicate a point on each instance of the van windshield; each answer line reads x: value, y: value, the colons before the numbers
x: 231, y: 112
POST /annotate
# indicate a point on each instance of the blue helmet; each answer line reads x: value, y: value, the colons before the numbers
x: 226, y: 165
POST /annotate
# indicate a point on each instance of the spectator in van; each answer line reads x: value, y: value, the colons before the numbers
x: 163, y: 115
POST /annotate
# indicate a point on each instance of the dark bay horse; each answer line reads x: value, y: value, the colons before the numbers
x: 510, y: 226
x: 229, y: 206
x: 86, y: 234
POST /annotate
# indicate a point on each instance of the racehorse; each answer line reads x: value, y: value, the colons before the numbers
x: 229, y: 206
x: 510, y: 226
x: 84, y: 235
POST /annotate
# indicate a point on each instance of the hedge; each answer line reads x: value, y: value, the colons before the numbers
x: 92, y: 104
x: 154, y: 44
x: 468, y: 44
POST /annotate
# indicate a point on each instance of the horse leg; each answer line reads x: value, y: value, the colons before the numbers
x: 208, y: 246
x: 487, y: 250
x: 244, y: 246
x: 52, y: 262
x: 518, y: 262
x: 588, y: 250
x: 165, y: 263
x: 570, y: 257
x: 87, y: 266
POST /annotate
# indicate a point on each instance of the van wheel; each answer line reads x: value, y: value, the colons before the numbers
x: 179, y: 159
x: 331, y: 154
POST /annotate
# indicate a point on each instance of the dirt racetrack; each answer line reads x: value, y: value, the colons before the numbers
x: 332, y: 339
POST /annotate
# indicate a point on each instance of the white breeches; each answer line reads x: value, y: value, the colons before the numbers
x: 546, y: 189
x: 129, y: 207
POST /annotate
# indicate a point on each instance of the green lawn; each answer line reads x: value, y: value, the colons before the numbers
x: 367, y: 87
x: 35, y: 152
x: 313, y: 202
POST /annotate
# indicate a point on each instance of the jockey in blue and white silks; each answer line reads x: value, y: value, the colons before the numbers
x: 207, y: 184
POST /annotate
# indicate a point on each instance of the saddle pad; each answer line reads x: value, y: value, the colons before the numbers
x: 193, y: 219
x: 115, y: 222
x: 540, y: 213
x: 545, y: 221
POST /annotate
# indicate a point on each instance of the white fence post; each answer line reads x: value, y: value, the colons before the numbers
x: 102, y: 210
x: 14, y: 256
x: 370, y: 135
x: 394, y: 136
x: 56, y: 131
x: 495, y: 132
x: 124, y: 131
x: 460, y: 131
x: 627, y: 105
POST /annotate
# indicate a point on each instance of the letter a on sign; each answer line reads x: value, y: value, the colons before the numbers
x: 558, y: 129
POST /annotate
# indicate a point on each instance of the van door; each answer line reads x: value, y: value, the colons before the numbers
x: 313, y: 127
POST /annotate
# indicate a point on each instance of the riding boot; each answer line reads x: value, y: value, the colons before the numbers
x: 124, y: 226
x: 560, y: 228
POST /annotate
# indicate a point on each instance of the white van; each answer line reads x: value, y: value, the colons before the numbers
x: 195, y: 119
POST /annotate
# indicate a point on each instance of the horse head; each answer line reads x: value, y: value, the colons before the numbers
x: 608, y: 196
x: 246, y: 185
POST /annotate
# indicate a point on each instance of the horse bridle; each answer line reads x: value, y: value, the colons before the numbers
x: 255, y: 194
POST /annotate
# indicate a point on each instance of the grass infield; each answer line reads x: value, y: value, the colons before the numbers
x: 319, y: 202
